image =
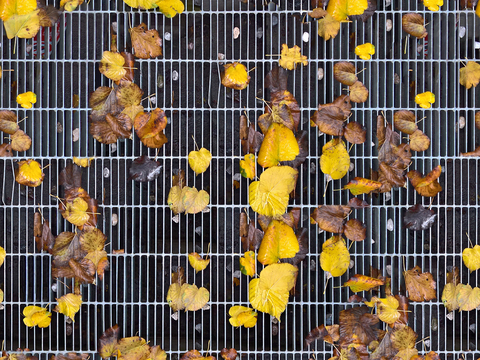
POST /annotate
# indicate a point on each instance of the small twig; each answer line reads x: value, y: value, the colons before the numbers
x: 149, y: 96
x: 351, y: 244
x: 423, y: 118
x: 25, y: 118
x: 273, y: 55
x: 252, y: 69
x: 351, y: 147
x: 46, y: 166
x: 264, y: 102
x: 406, y: 41
x: 359, y: 72
x: 156, y: 155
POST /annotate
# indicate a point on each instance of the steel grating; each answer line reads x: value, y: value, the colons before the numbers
x: 134, y: 289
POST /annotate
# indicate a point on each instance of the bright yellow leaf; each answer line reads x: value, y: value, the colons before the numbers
x: 365, y: 51
x: 335, y: 257
x: 433, y: 5
x: 70, y: 5
x: 175, y: 199
x: 358, y: 186
x: 470, y: 74
x: 471, y: 258
x: 387, y: 308
x: 170, y: 8
x: 242, y: 315
x: 425, y: 100
x: 112, y: 65
x: 9, y: 8
x: 76, y: 212
x: 342, y: 9
x: 199, y: 161
x: 1, y: 295
x: 29, y: 173
x: 20, y: 18
x: 359, y: 283
x: 69, y: 305
x: 36, y: 315
x: 335, y: 160
x: 278, y: 145
x: 235, y: 76
x: 174, y: 297
x: 449, y: 297
x: 26, y: 100
x: 247, y: 166
x: 468, y: 298
x: 328, y: 27
x: 197, y: 262
x: 247, y: 263
x: 194, y: 200
x: 269, y: 292
x: 3, y: 254
x: 269, y: 196
x: 477, y: 11
x: 279, y: 242
x: 83, y: 162
x: 194, y: 298
x: 290, y: 57
x: 132, y: 348
x: 142, y: 4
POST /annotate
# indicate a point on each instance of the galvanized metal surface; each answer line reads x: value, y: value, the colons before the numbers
x: 134, y: 289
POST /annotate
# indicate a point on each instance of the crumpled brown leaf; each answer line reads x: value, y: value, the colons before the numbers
x: 146, y: 43
x: 330, y: 218
x: 420, y: 286
x: 330, y: 117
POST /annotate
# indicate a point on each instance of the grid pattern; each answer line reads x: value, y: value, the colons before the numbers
x: 133, y: 292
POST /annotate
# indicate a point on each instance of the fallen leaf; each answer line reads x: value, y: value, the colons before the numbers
x: 20, y: 18
x: 146, y: 43
x: 358, y: 186
x: 253, y: 238
x: 358, y: 93
x: 242, y: 316
x: 365, y: 51
x: 70, y: 5
x: 420, y: 286
x: 247, y: 166
x: 83, y: 162
x: 328, y: 27
x: 129, y: 96
x: 149, y: 128
x: 359, y: 283
x: 470, y: 74
x: 355, y: 132
x: 419, y: 141
x: 78, y: 207
x: 428, y: 185
x: 8, y: 122
x: 269, y: 292
x: 368, y: 13
x: 335, y: 160
x: 269, y: 196
x: 142, y: 4
x: 36, y: 316
x: 329, y: 334
x: 170, y: 8
x: 144, y: 169
x: 199, y: 161
x: 387, y: 308
x: 406, y: 354
x: 330, y: 117
x: 405, y: 121
x: 476, y: 152
x: 3, y: 254
x: 356, y: 203
x: 29, y: 173
x: 449, y: 296
x: 20, y: 141
x: 111, y: 128
x: 253, y: 141
x: 357, y: 326
x: 156, y: 353
x: 76, y: 212
x: 69, y: 305
x: 228, y: 354
x: 413, y: 24
x: 195, y: 355
x: 133, y: 348
x: 235, y: 76
x: 278, y: 242
x: 471, y: 258
x: 433, y: 5
x: 107, y: 343
x: 342, y: 9
x: 303, y: 241
x: 194, y: 298
x: 355, y: 230
x: 26, y: 100
x: 335, y: 257
x: 6, y: 150
x: 467, y: 298
x: 92, y: 241
x: 194, y: 200
x: 112, y: 65
x: 419, y: 218
x: 403, y: 337
x: 425, y: 100
x: 278, y: 145
x: 290, y: 57
x: 330, y: 218
x: 197, y: 262
x: 279, y: 114
x: 345, y: 73
x: 247, y: 263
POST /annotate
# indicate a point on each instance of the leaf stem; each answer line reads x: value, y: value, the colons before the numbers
x: 195, y: 142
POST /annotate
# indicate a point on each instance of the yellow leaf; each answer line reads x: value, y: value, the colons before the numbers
x: 29, y: 173
x: 470, y: 74
x: 467, y: 298
x: 193, y: 297
x: 199, y: 161
x: 335, y: 257
x: 235, y: 76
x: 449, y: 297
x: 112, y: 65
x: 242, y: 315
x: 247, y: 166
x: 387, y: 308
x: 170, y: 8
x: 9, y: 8
x: 328, y: 27
x: 1, y: 295
x: 425, y: 100
x: 406, y: 354
x: 70, y: 5
x: 358, y: 186
x: 175, y: 199
x: 471, y: 258
x: 197, y: 262
x: 26, y: 100
x: 362, y: 283
x: 477, y: 11
x: 83, y: 162
x: 76, y: 212
x: 335, y: 160
x: 247, y: 263
x: 433, y: 5
x: 341, y: 9
x: 3, y: 254
x: 279, y: 242
x: 142, y: 4
x: 269, y: 196
x: 174, y: 297
x: 290, y: 57
x: 156, y: 353
x: 278, y: 145
x: 133, y: 348
x: 20, y: 18
x: 365, y: 51
x: 36, y: 315
x: 69, y: 305
x: 194, y: 200
x: 269, y: 292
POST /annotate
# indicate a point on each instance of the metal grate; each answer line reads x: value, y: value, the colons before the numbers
x: 134, y: 289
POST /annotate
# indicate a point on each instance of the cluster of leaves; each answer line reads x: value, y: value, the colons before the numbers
x: 19, y: 140
x: 185, y: 199
x: 458, y: 296
x: 183, y: 296
x: 169, y: 8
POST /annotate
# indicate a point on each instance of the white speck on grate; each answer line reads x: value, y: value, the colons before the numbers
x: 160, y: 82
x: 106, y: 172
x: 198, y: 230
x: 461, y: 122
x: 153, y: 100
x: 174, y: 75
x: 461, y: 31
x: 190, y: 46
x: 113, y: 148
x: 59, y: 127
x: 351, y: 167
x: 306, y: 37
x: 449, y: 316
x: 115, y: 27
x: 389, y: 270
x: 237, y: 274
x: 75, y: 134
x: 206, y: 307
x: 220, y: 56
x: 313, y: 167
x: 320, y: 74
x: 206, y: 210
x: 390, y: 225
x: 351, y: 265
x: 313, y: 265
x: 387, y: 196
x: 114, y: 219
x: 54, y: 287
x: 175, y: 316
x: 198, y: 328
x: 426, y: 343
x: 176, y: 218
x: 237, y: 177
x: 396, y: 79
x: 477, y: 45
x: 236, y: 32
x: 259, y: 32
x: 473, y: 327
x: 167, y: 36
x: 373, y: 241
x: 274, y: 320
x: 389, y: 25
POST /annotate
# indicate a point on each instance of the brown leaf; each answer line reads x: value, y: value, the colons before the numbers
x: 104, y: 100
x: 453, y: 276
x: 179, y: 179
x: 419, y: 141
x: 144, y: 169
x: 402, y: 307
x: 329, y: 334
x: 385, y: 350
x: 391, y: 176
x: 355, y: 132
x: 418, y: 218
x: 71, y: 177
x: 330, y: 117
x: 228, y: 354
x: 146, y: 43
x: 43, y: 235
x: 420, y: 286
x: 253, y: 240
x: 279, y: 114
x: 413, y: 24
x: 107, y: 343
x: 276, y: 79
x: 178, y: 276
x: 356, y: 203
x: 6, y: 150
x: 149, y: 128
x: 70, y: 356
x: 285, y: 97
x: 129, y: 66
x: 477, y: 120
x: 253, y: 142
x: 355, y: 230
x: 82, y: 271
x: 428, y: 185
x: 195, y: 355
x: 330, y: 218
x: 358, y: 92
x: 66, y: 247
x: 20, y: 141
x: 344, y: 72
x: 243, y: 126
x: 243, y: 225
x: 8, y: 122
x: 476, y: 152
x: 328, y: 27
x: 405, y: 121
x: 357, y: 326
x: 112, y: 128
x: 317, y: 13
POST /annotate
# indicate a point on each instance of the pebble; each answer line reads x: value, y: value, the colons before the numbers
x: 175, y: 316
x: 237, y: 274
x: 388, y: 196
x: 306, y: 37
x: 237, y: 177
x: 174, y: 75
x: 114, y: 219
x: 313, y: 167
x: 396, y: 79
x: 106, y: 172
x: 69, y: 330
x: 390, y: 225
x: 167, y: 36
x: 259, y: 32
x: 76, y: 134
x: 389, y: 270
x: 160, y: 81
x: 434, y: 324
x: 389, y: 25
x: 114, y: 27
x: 59, y: 127
x: 54, y: 287
x: 220, y: 56
x: 320, y: 73
x: 176, y: 218
x: 236, y: 32
x: 198, y: 230
x: 153, y: 100
x: 113, y: 148
x: 313, y: 265
x: 461, y: 122
x: 190, y: 46
x: 351, y: 167
x: 351, y: 265
x: 462, y: 31
x: 206, y: 307
x: 198, y: 328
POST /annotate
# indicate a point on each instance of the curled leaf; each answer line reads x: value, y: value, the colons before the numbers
x: 197, y: 262
x: 26, y: 100
x: 428, y: 185
x: 36, y: 316
x: 29, y: 173
x: 359, y: 283
x: 242, y: 316
x: 413, y: 24
x: 290, y: 57
x: 425, y: 100
x: 358, y: 186
x: 149, y: 128
x: 365, y: 51
x: 69, y: 305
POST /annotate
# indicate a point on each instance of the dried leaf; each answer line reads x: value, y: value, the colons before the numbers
x: 419, y: 218
x: 194, y: 200
x: 359, y: 283
x: 247, y: 166
x: 355, y: 230
x: 476, y: 152
x: 356, y: 203
x: 290, y: 57
x: 328, y: 27
x: 8, y: 122
x: 471, y: 258
x: 357, y: 326
x: 405, y: 121
x: 228, y: 354
x: 358, y: 186
x: 387, y: 308
x: 413, y: 24
x: 149, y: 128
x: 235, y: 76
x: 355, y: 132
x: 345, y: 73
x: 419, y: 141
x: 170, y: 8
x: 330, y: 218
x: 6, y: 150
x: 83, y: 162
x: 433, y: 5
x: 29, y: 173
x: 146, y: 43
x: 107, y: 343
x: 330, y: 117
x: 144, y: 169
x: 247, y: 263
x: 358, y: 92
x: 335, y: 257
x: 428, y: 185
x: 466, y: 297
x: 329, y: 334
x: 194, y: 298
x: 342, y: 9
x: 69, y: 305
x: 112, y: 65
x: 420, y: 286
x: 20, y: 141
x: 195, y: 355
x: 470, y: 74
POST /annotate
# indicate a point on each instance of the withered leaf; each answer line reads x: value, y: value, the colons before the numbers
x: 357, y: 326
x: 20, y: 141
x: 419, y: 218
x: 402, y: 306
x: 286, y: 98
x: 6, y: 150
x: 146, y: 43
x: 367, y: 13
x: 358, y: 92
x: 253, y: 142
x: 83, y: 271
x: 111, y: 129
x: 276, y: 79
x: 330, y: 218
x: 228, y: 354
x: 329, y: 334
x: 355, y: 132
x: 302, y: 237
x: 391, y: 176
x: 413, y: 24
x: 107, y: 343
x: 403, y: 337
x: 428, y: 185
x: 71, y: 177
x: 43, y: 235
x: 356, y: 203
x: 419, y: 141
x: 420, y: 286
x: 66, y: 247
x: 473, y: 153
x: 8, y: 122
x: 279, y: 114
x: 254, y: 237
x: 144, y: 169
x: 330, y: 117
x: 149, y: 128
x: 344, y: 72
x: 243, y: 126
x: 405, y: 121
x: 355, y: 230
x: 302, y: 140
x: 69, y: 356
